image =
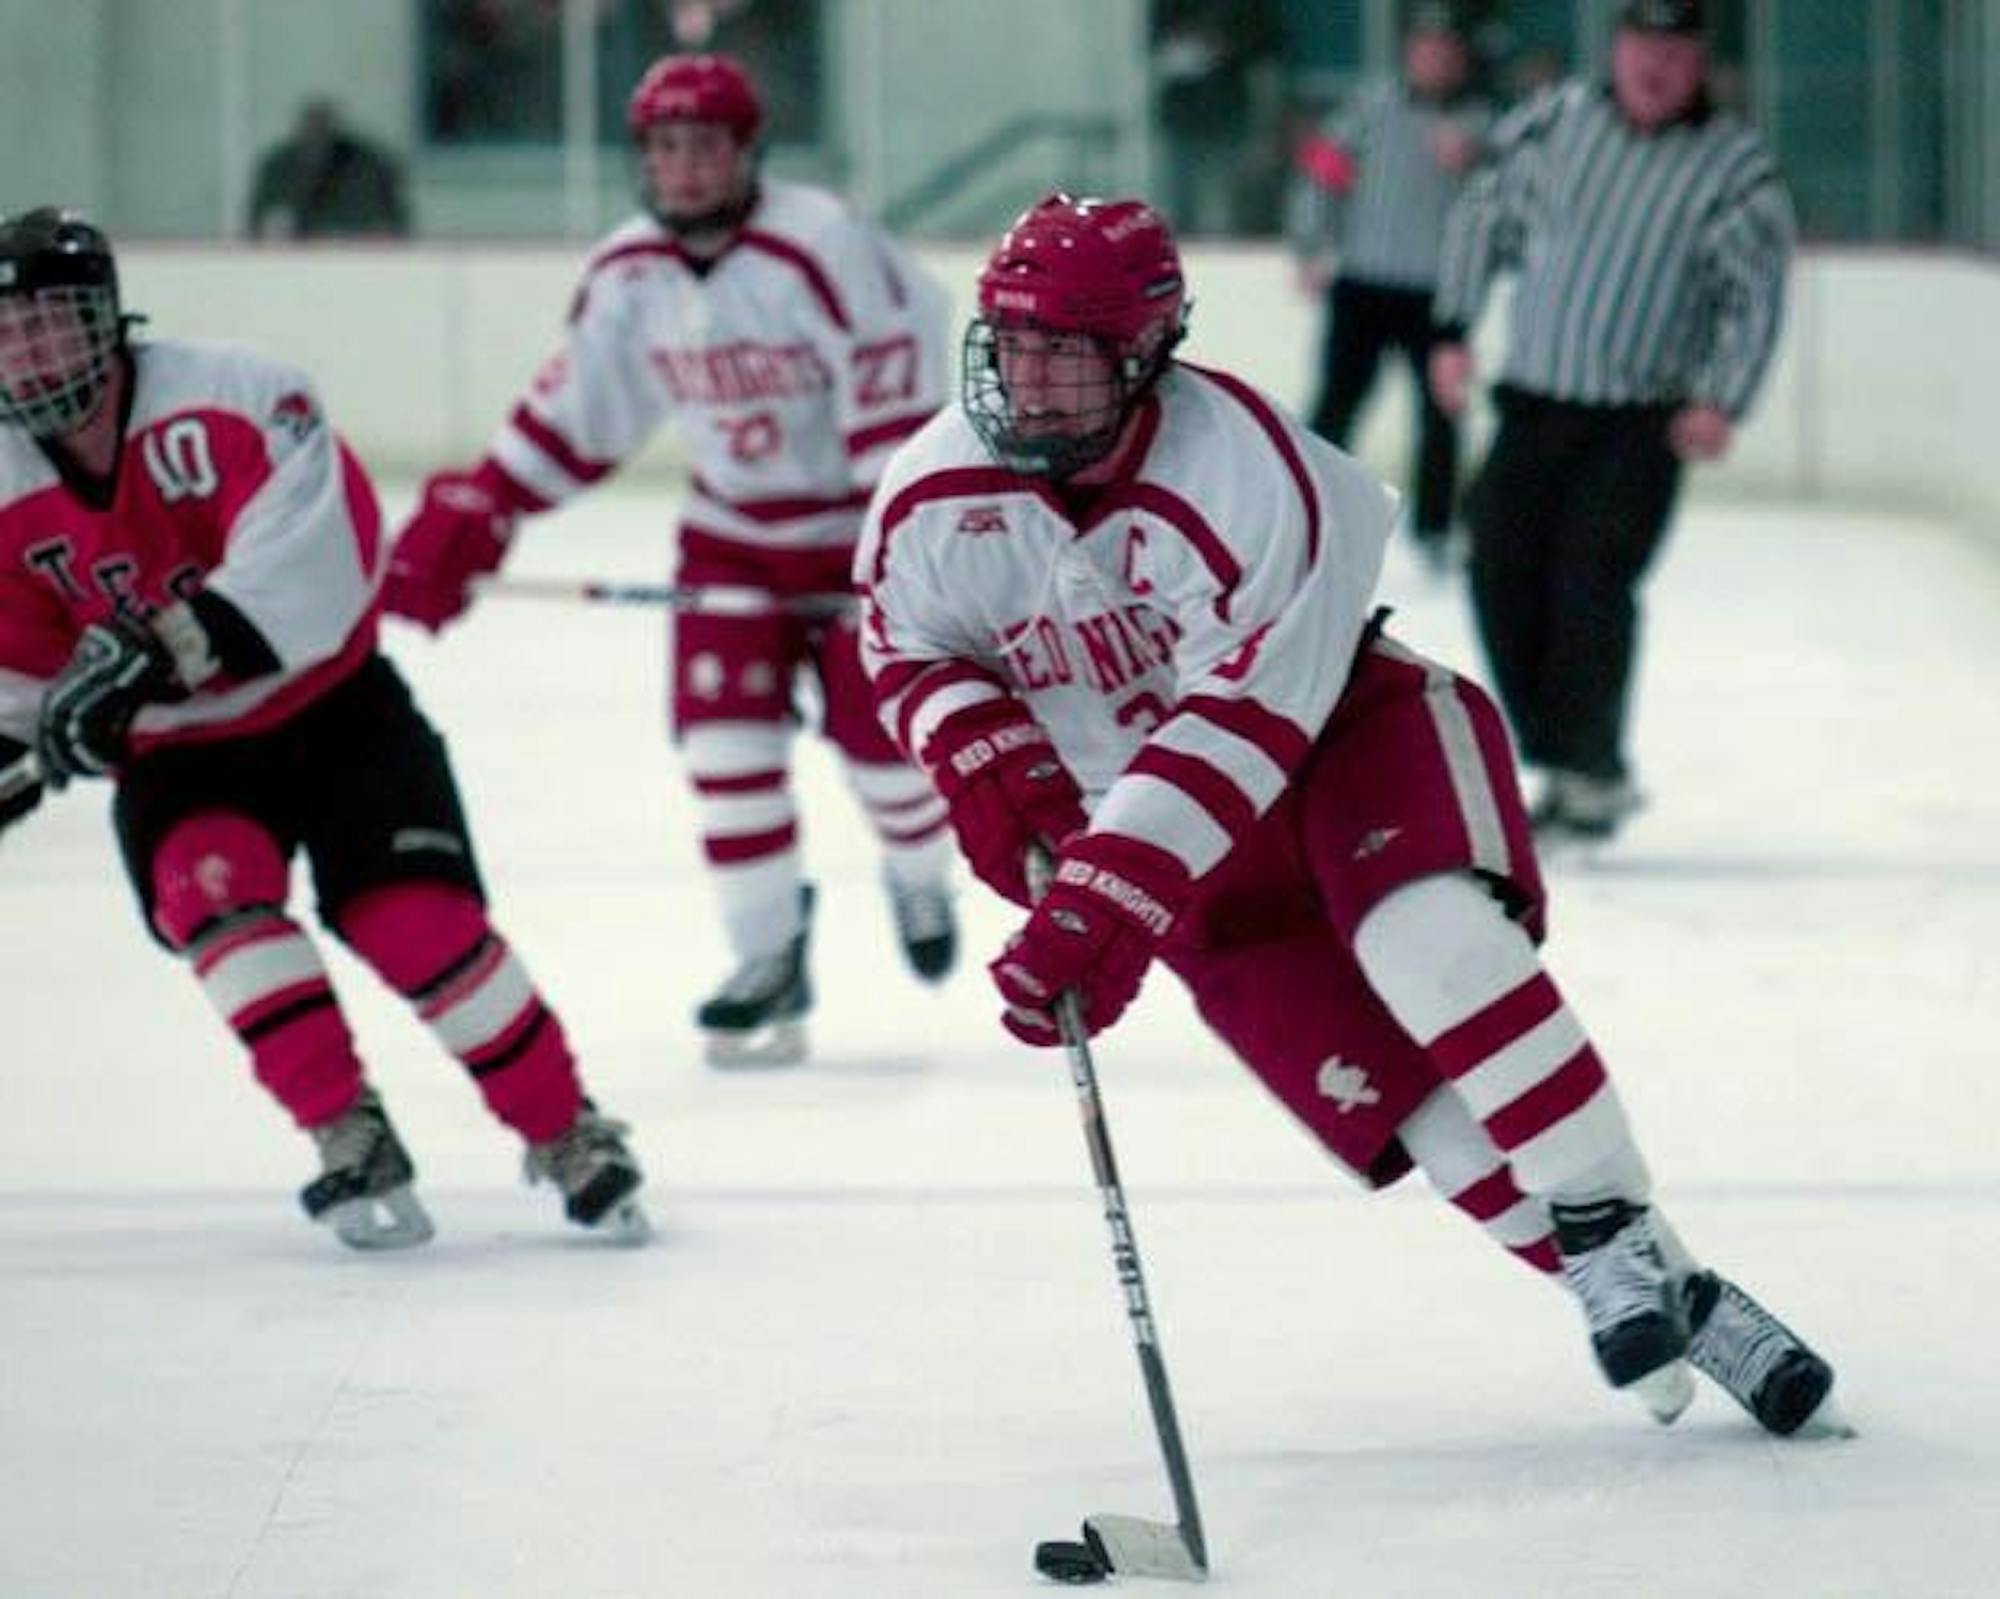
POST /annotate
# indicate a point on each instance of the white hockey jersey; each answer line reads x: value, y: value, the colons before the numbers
x: 228, y: 479
x: 793, y: 364
x: 1183, y: 639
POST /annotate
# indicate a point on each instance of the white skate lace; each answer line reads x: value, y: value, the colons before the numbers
x: 1621, y: 1279
x: 759, y: 978
x: 922, y: 910
x: 1740, y: 1343
x: 349, y: 1141
x: 571, y: 1159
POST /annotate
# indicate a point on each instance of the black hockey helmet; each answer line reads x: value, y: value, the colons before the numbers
x: 61, y: 327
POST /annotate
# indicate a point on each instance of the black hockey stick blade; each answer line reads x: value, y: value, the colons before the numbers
x: 1060, y: 1560
x: 1132, y: 1546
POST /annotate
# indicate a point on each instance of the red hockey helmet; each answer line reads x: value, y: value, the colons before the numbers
x: 703, y: 88
x: 1105, y: 269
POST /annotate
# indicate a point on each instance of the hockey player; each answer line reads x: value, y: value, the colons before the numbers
x: 795, y: 346
x: 1119, y: 606
x: 188, y: 564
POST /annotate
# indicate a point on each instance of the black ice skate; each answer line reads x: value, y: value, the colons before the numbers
x: 757, y: 1018
x: 1638, y: 1327
x: 597, y: 1174
x: 364, y: 1192
x: 1759, y: 1362
x: 926, y: 927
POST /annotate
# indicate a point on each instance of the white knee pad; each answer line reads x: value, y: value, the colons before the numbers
x: 1441, y: 949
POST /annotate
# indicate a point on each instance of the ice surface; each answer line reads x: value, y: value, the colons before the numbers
x: 877, y: 1350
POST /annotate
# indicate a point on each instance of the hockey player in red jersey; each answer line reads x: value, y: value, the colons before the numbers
x: 794, y: 346
x: 1120, y: 607
x: 188, y: 569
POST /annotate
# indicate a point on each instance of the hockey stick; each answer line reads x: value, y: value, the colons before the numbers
x: 721, y: 601
x: 19, y: 776
x: 1130, y: 1545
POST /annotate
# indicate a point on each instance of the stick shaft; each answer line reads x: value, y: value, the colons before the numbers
x: 1125, y: 1250
x: 1132, y: 1278
x: 668, y: 596
x: 19, y: 775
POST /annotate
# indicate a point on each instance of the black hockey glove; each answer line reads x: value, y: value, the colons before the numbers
x: 20, y: 781
x: 117, y: 667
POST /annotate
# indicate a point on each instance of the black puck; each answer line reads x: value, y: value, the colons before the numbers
x: 1067, y: 1561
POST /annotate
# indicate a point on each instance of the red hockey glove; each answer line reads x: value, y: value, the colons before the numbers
x: 1110, y: 902
x: 460, y: 531
x: 1007, y: 788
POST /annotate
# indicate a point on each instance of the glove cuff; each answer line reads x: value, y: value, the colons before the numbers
x: 968, y: 741
x: 511, y: 498
x: 1140, y: 882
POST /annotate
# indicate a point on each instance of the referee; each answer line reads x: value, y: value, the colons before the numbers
x: 1651, y: 234
x: 1374, y: 189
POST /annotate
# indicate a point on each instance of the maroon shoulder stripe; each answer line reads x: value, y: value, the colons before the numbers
x: 664, y: 248
x: 557, y: 448
x: 1274, y: 429
x: 1170, y: 508
x: 876, y: 434
x: 957, y: 482
x: 802, y: 263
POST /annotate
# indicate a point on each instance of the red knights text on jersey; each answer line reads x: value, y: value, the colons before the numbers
x: 792, y: 365
x: 229, y: 479
x: 1184, y: 640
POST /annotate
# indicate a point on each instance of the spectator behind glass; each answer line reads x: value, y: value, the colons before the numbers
x: 1207, y: 55
x: 324, y: 181
x: 495, y: 71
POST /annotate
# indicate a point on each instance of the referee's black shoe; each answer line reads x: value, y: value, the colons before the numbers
x: 1581, y: 809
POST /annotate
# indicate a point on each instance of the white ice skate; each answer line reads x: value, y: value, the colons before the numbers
x: 1760, y: 1362
x: 757, y: 1018
x: 1638, y: 1325
x: 363, y: 1193
x: 925, y: 927
x: 597, y: 1174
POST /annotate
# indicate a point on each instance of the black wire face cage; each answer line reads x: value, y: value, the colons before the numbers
x: 1060, y: 444
x: 57, y: 345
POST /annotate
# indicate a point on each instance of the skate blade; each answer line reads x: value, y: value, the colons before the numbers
x: 1665, y: 1391
x: 395, y: 1220
x: 1829, y: 1421
x: 624, y: 1224
x: 778, y: 1044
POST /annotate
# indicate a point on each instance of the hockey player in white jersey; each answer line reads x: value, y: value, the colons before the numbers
x: 1120, y: 607
x: 188, y: 566
x: 795, y: 346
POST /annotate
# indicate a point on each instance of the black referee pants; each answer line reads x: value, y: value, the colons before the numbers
x: 1566, y: 515
x: 1363, y: 320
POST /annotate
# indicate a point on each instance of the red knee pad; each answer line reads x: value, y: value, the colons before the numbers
x: 412, y: 932
x: 211, y: 866
x: 732, y: 668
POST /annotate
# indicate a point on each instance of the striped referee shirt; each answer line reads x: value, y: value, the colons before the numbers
x: 1389, y: 229
x: 1651, y: 267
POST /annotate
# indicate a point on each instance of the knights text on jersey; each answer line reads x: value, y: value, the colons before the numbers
x: 228, y: 479
x: 793, y: 365
x: 1183, y: 641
